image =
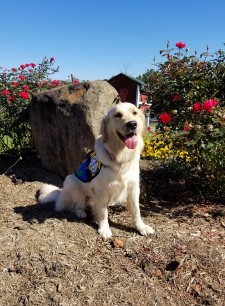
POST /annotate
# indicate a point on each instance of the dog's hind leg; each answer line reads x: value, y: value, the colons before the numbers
x: 71, y: 200
x: 78, y: 197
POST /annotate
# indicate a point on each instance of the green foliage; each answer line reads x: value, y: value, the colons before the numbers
x: 16, y: 88
x: 188, y: 94
x: 147, y: 78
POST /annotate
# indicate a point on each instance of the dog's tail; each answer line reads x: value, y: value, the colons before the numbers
x: 48, y: 193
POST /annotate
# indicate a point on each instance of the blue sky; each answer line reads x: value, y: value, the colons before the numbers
x: 96, y: 39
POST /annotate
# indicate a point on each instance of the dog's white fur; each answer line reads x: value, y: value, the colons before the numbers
x: 118, y: 180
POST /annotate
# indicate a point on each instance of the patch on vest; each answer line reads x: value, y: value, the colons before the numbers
x: 89, y: 168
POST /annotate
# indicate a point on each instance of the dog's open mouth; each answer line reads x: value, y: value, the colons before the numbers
x: 130, y: 140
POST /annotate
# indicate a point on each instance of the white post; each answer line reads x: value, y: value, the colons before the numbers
x: 148, y: 119
x: 137, y: 95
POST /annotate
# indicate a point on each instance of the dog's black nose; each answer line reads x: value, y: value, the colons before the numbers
x: 132, y: 125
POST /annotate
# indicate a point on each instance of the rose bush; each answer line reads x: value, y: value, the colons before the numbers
x: 16, y: 88
x: 188, y: 94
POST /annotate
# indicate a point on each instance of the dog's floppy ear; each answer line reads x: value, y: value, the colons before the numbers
x: 142, y: 115
x: 104, y: 125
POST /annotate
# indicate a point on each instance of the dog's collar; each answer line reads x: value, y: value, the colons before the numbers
x: 111, y: 156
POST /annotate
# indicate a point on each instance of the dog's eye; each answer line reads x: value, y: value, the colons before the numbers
x: 118, y: 115
x: 134, y: 113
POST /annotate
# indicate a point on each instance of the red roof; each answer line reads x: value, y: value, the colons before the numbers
x: 145, y: 107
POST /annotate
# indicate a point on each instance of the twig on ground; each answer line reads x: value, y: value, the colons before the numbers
x: 20, y: 158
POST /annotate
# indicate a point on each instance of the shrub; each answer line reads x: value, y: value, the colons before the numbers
x: 16, y: 88
x: 188, y: 94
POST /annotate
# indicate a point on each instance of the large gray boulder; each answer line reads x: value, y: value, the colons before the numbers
x: 65, y: 122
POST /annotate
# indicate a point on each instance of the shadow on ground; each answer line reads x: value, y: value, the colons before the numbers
x: 175, y: 196
x: 160, y: 193
x: 27, y: 170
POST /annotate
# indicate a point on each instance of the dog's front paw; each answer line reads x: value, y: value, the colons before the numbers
x: 145, y: 229
x: 105, y: 232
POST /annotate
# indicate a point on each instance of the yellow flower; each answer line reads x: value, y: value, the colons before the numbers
x: 161, y: 147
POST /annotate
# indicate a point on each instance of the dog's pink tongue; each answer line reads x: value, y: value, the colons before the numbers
x: 131, y: 141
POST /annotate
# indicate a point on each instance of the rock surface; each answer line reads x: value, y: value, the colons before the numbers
x: 66, y: 120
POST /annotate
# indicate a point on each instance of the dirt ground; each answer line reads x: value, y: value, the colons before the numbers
x: 49, y: 258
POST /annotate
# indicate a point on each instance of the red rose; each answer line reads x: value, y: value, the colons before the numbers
x: 13, y: 69
x: 11, y: 98
x: 26, y: 87
x: 21, y: 77
x: 24, y: 95
x: 5, y: 92
x: 55, y: 83
x: 76, y: 82
x: 165, y: 118
x: 22, y: 66
x: 15, y: 84
x: 186, y: 127
x: 209, y: 104
x: 214, y: 102
x: 180, y: 45
x: 196, y: 107
x: 176, y: 97
x: 149, y: 129
x: 33, y: 65
x: 52, y: 59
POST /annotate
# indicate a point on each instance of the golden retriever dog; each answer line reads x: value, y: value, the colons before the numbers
x: 109, y: 175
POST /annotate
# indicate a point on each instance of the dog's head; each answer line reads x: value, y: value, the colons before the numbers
x: 125, y: 124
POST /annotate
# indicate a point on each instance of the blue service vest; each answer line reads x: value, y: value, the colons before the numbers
x: 89, y: 168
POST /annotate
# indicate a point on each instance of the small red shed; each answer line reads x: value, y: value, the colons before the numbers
x: 128, y: 88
